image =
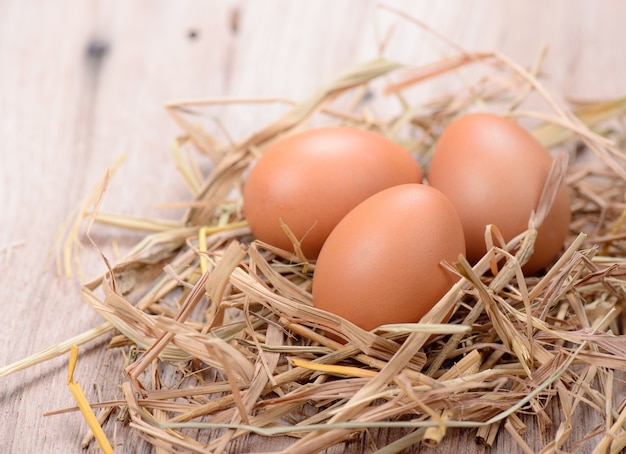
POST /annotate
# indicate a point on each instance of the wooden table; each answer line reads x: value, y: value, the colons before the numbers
x: 82, y: 82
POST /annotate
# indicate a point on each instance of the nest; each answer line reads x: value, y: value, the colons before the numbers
x: 222, y: 339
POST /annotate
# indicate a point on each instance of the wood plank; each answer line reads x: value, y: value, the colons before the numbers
x: 83, y: 81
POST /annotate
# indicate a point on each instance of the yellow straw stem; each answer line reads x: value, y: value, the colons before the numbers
x: 83, y: 404
x: 204, y: 232
x: 336, y: 370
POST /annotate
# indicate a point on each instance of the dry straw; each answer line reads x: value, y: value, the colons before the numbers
x: 238, y: 313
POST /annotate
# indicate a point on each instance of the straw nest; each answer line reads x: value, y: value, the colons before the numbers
x: 226, y: 341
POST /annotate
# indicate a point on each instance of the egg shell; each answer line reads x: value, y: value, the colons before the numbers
x: 312, y: 179
x: 382, y: 263
x: 494, y: 171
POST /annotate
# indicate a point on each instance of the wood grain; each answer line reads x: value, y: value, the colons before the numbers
x: 81, y: 82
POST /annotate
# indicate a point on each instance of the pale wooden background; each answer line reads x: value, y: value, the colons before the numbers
x: 66, y: 116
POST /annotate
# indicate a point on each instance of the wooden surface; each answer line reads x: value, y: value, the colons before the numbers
x: 83, y: 81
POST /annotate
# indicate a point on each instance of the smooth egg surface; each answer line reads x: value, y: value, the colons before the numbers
x: 494, y: 171
x: 312, y: 179
x: 382, y: 263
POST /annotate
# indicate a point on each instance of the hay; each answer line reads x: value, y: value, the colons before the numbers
x: 242, y: 310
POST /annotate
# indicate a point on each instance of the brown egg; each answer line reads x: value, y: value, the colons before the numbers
x: 312, y: 179
x: 382, y: 263
x: 494, y: 171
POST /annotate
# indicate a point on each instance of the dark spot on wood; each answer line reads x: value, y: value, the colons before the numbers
x: 95, y: 54
x: 234, y: 21
x: 193, y: 34
x: 97, y: 49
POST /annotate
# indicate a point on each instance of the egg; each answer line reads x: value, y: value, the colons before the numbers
x: 382, y: 262
x: 311, y: 180
x: 494, y: 171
